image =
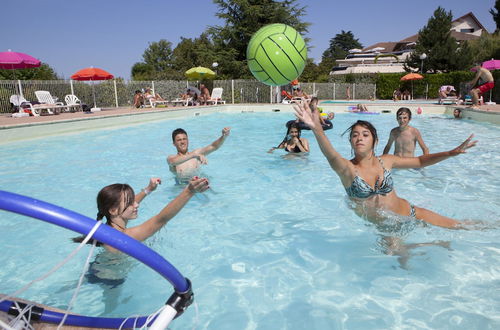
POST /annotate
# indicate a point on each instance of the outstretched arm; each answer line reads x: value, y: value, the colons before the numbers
x: 389, y: 144
x: 151, y: 226
x: 311, y: 118
x: 431, y: 159
x: 153, y: 183
x: 476, y: 78
x: 217, y: 143
x: 174, y: 160
x: 421, y: 143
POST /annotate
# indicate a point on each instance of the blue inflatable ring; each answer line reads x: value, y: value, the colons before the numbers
x: 81, y: 224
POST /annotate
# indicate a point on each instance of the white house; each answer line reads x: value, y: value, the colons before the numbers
x: 389, y: 56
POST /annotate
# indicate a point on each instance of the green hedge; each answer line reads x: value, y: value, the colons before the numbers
x: 388, y: 82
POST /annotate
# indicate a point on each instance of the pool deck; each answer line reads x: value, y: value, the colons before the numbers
x: 6, y: 121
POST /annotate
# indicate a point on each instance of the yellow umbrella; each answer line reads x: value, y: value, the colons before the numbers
x: 199, y: 73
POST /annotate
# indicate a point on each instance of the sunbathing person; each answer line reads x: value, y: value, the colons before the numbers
x: 148, y: 94
x: 138, y: 99
x: 445, y: 92
x: 299, y: 93
x: 204, y: 95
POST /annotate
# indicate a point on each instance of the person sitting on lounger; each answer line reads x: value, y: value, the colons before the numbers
x: 299, y: 93
x: 446, y: 91
x: 205, y: 94
x: 148, y: 94
x: 138, y: 99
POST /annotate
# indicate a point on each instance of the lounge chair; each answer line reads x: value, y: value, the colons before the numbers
x: 449, y: 100
x: 22, y: 104
x: 73, y: 102
x: 182, y: 101
x: 154, y: 102
x: 48, y: 102
x: 18, y: 102
x: 216, y: 96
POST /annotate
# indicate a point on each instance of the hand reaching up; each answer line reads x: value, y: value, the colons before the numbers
x: 197, y: 184
x: 309, y: 116
x: 153, y: 183
x: 461, y: 149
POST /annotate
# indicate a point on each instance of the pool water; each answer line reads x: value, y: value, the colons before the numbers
x: 274, y: 243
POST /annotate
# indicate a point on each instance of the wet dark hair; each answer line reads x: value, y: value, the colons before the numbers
x: 289, y: 128
x: 176, y: 132
x: 401, y: 110
x: 108, y: 198
x: 365, y: 124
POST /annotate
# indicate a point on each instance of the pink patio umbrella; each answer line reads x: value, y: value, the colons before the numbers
x: 13, y: 60
x: 491, y: 64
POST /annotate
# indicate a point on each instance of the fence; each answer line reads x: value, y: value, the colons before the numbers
x: 119, y: 93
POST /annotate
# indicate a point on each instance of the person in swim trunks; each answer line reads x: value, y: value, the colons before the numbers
x: 292, y: 142
x: 367, y: 179
x: 485, y: 76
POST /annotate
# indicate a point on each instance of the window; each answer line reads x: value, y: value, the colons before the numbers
x: 467, y: 30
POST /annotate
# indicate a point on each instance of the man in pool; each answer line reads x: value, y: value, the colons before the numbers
x: 185, y: 164
x: 405, y: 137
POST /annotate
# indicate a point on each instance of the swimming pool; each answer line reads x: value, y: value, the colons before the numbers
x: 274, y: 244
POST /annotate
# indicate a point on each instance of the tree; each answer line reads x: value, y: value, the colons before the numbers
x: 486, y: 47
x: 496, y: 15
x: 340, y: 46
x: 442, y: 50
x: 242, y: 19
x: 43, y: 72
x: 194, y: 52
x: 157, y: 61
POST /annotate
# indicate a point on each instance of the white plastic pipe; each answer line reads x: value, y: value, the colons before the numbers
x: 163, y: 320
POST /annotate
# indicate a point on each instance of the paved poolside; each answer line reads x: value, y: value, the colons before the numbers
x: 6, y: 121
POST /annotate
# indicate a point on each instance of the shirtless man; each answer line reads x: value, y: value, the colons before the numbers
x: 185, y: 164
x: 205, y: 94
x: 405, y: 136
x: 487, y: 83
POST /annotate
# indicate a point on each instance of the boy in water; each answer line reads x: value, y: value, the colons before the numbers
x: 405, y: 136
x: 185, y: 164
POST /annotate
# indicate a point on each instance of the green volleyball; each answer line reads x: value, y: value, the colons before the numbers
x: 276, y: 54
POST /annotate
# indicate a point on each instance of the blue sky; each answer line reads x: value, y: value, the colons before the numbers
x: 113, y: 34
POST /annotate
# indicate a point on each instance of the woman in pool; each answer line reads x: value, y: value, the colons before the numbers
x: 119, y: 204
x: 367, y: 179
x: 292, y: 142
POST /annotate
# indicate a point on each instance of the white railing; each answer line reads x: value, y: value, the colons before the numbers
x: 120, y: 93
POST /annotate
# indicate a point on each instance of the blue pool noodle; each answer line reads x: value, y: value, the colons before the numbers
x: 76, y: 222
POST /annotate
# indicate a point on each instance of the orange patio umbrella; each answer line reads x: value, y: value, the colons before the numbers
x: 412, y: 76
x: 92, y: 74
